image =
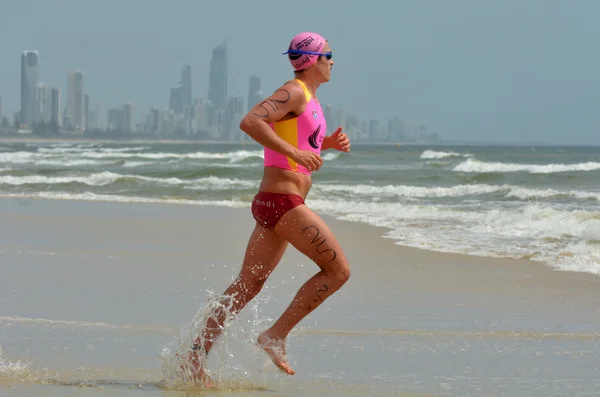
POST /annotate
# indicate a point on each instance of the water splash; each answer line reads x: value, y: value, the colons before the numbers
x: 234, y: 361
x: 14, y: 373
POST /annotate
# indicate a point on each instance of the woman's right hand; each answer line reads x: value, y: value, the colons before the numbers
x: 310, y: 160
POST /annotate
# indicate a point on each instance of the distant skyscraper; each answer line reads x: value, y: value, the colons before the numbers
x: 329, y: 119
x: 75, y: 100
x: 100, y: 123
x: 86, y: 112
x: 176, y: 99
x: 41, y: 104
x: 233, y: 117
x: 29, y: 81
x: 340, y: 118
x: 0, y: 110
x: 254, y: 92
x: 55, y: 118
x: 200, y: 121
x: 128, y: 118
x: 181, y: 96
x: 186, y: 86
x: 217, y: 84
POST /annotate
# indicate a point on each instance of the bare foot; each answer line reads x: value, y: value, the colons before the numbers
x: 275, y: 348
x: 193, y: 370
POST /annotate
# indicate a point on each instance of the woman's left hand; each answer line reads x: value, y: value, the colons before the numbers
x: 338, y: 141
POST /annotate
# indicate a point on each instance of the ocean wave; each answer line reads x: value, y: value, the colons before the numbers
x: 131, y: 164
x: 18, y: 157
x: 79, y: 149
x: 72, y: 163
x: 330, y: 156
x: 23, y: 157
x: 432, y: 155
x: 560, y: 238
x: 233, y: 157
x: 407, y: 191
x: 565, y: 239
x: 107, y: 178
x: 474, y: 165
x: 89, y: 196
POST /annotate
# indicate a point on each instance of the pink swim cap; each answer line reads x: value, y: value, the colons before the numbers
x: 305, y: 42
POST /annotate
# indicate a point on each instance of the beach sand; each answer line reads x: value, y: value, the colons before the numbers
x: 92, y: 293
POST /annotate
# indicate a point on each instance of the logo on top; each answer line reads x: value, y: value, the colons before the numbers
x: 299, y: 46
x: 312, y: 139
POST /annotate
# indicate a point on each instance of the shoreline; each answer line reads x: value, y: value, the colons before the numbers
x: 115, y: 284
x: 380, y: 232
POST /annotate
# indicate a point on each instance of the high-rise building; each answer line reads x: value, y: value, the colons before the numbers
x: 75, y: 100
x: 86, y: 112
x: 233, y: 117
x: 128, y: 118
x: 254, y: 93
x: 100, y: 121
x: 181, y: 96
x: 55, y: 119
x: 329, y: 119
x: 217, y: 84
x: 29, y: 81
x: 41, y: 112
x: 200, y: 117
x: 340, y: 118
x: 186, y: 86
x: 176, y: 99
x: 114, y: 118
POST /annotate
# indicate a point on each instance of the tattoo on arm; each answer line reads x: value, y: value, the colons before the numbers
x: 272, y: 104
x: 318, y: 240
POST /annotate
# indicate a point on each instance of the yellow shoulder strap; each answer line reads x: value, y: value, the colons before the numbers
x: 306, y: 91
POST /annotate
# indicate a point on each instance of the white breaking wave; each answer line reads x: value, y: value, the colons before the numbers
x: 330, y: 156
x: 406, y: 191
x: 131, y: 164
x: 563, y: 239
x: 100, y: 179
x: 107, y: 154
x: 88, y: 196
x: 72, y: 163
x: 19, y: 157
x: 432, y: 154
x: 106, y: 178
x: 58, y: 150
x: 474, y: 165
x: 233, y: 157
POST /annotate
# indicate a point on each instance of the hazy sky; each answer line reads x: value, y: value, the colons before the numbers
x: 504, y: 70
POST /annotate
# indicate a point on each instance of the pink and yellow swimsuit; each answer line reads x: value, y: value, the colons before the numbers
x: 305, y: 132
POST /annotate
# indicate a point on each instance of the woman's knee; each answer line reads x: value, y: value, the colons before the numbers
x: 340, y: 273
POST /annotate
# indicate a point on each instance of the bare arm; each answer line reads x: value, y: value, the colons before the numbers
x: 287, y: 99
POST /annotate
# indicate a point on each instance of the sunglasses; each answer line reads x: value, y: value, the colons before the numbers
x: 327, y: 55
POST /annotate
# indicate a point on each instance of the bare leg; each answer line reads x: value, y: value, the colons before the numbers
x: 264, y: 251
x: 306, y: 231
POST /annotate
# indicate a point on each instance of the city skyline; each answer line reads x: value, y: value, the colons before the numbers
x: 215, y: 117
x: 509, y: 71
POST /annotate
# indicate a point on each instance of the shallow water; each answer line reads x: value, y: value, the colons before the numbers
x: 95, y: 299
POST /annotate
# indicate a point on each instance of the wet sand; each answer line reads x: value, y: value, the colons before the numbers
x: 92, y: 292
